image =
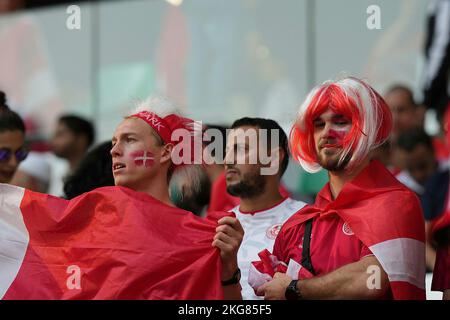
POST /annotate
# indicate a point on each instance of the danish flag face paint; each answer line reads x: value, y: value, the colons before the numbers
x: 143, y: 158
x: 338, y: 133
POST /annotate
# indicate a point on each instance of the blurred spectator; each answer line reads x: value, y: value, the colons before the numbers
x: 94, y: 171
x: 414, y: 154
x: 33, y: 173
x: 72, y: 138
x: 406, y: 114
x: 12, y: 139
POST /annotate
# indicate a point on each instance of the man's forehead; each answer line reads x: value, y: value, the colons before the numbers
x: 241, y: 132
x: 330, y: 114
x: 132, y: 126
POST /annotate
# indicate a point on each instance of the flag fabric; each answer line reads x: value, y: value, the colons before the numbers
x: 110, y: 243
x: 387, y: 218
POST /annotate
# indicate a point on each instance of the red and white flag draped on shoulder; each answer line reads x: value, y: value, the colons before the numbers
x: 387, y: 218
x: 121, y: 244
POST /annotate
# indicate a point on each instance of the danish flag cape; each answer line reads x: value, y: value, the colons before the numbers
x: 110, y: 243
x: 387, y: 218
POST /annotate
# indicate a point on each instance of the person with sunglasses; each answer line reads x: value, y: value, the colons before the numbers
x: 12, y: 140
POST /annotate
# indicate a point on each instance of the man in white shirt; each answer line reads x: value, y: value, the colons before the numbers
x: 256, y: 157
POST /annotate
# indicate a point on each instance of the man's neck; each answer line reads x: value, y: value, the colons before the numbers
x: 339, y: 178
x: 261, y: 202
x: 158, y: 189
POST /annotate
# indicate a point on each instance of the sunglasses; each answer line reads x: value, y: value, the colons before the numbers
x: 5, y: 154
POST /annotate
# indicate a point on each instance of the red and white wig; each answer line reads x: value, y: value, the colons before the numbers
x: 353, y: 98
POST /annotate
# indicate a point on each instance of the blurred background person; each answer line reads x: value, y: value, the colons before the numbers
x: 94, y: 171
x: 72, y: 137
x: 406, y: 114
x: 33, y: 173
x: 415, y: 157
x: 12, y: 140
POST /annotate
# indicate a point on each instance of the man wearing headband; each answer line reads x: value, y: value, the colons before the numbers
x: 138, y: 159
x: 364, y: 236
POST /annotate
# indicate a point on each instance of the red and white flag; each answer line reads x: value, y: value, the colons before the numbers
x: 110, y: 243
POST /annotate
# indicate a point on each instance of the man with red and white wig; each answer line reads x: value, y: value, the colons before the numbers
x: 122, y: 242
x: 363, y: 238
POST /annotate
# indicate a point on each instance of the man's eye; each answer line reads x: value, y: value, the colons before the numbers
x: 319, y: 124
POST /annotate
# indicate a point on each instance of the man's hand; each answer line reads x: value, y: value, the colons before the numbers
x: 228, y: 238
x: 275, y: 289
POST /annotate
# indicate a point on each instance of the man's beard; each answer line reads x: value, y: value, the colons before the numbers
x: 331, y: 163
x: 251, y: 185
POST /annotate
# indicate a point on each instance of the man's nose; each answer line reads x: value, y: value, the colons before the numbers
x: 229, y: 157
x: 115, y: 150
x: 12, y: 161
x: 326, y: 132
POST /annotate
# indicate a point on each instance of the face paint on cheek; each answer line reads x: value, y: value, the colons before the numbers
x: 338, y: 134
x: 142, y: 158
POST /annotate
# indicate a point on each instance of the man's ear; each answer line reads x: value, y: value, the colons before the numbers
x: 166, y: 153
